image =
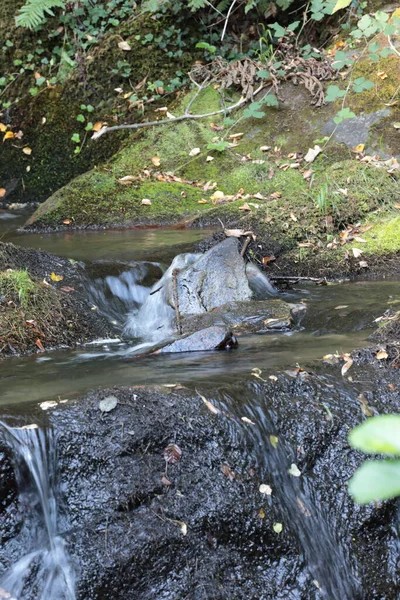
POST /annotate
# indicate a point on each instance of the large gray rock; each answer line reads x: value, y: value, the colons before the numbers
x: 216, y: 278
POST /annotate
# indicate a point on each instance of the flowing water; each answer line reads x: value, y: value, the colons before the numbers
x: 44, y: 565
x: 124, y: 269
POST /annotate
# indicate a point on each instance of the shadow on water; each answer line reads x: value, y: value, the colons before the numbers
x: 44, y: 568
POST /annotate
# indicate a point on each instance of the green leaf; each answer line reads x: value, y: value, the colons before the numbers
x: 80, y: 118
x: 376, y: 480
x: 211, y: 49
x: 380, y: 435
x: 76, y: 138
x: 340, y: 4
x: 33, y: 12
x: 33, y: 91
x: 333, y: 93
x: 278, y: 30
x: 263, y: 74
x: 89, y: 127
x: 343, y: 114
x: 269, y: 100
x: 90, y: 108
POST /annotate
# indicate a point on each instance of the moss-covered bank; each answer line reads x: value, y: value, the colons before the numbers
x: 39, y: 307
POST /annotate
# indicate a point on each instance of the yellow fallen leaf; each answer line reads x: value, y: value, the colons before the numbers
x: 146, y: 202
x: 202, y: 201
x: 27, y: 150
x: 55, y: 277
x: 359, y: 148
x: 156, y: 161
x: 293, y: 217
x: 127, y: 180
x: 8, y: 136
x: 3, y: 192
x: 209, y: 404
x: 97, y: 126
x: 218, y: 195
x: 346, y: 366
x: 3, y: 127
x: 277, y: 527
x: 381, y: 355
x: 381, y: 75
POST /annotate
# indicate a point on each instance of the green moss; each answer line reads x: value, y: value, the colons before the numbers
x: 17, y: 284
x: 385, y: 89
x: 383, y: 237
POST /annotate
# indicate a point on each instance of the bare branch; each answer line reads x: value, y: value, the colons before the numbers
x: 393, y: 47
x: 184, y: 117
x: 227, y: 19
x: 199, y: 89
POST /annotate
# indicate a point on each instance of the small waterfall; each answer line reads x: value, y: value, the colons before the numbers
x: 44, y: 572
x: 155, y: 319
x: 259, y: 283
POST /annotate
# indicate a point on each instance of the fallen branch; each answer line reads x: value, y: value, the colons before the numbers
x: 293, y: 278
x: 185, y: 117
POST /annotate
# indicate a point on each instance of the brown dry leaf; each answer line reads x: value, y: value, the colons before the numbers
x: 98, y: 125
x: 235, y: 136
x: 19, y: 135
x: 265, y: 148
x: 397, y: 205
x: 392, y: 387
x: 172, y: 454
x: 381, y: 354
x: 67, y: 221
x: 67, y: 289
x: 27, y: 150
x: 346, y: 366
x: 357, y: 252
x: 156, y: 161
x: 202, y: 201
x: 227, y: 471
x: 165, y: 481
x: 194, y: 152
x: 218, y: 195
x: 275, y: 195
x: 363, y: 264
x: 307, y: 174
x: 127, y: 180
x: 215, y: 127
x: 357, y: 238
x: 39, y: 345
x: 8, y: 136
x: 3, y: 127
x: 238, y: 233
x: 244, y: 206
x: 146, y: 202
x: 381, y: 75
x: 3, y: 192
x: 124, y: 46
x: 293, y: 217
x: 261, y: 513
x: 268, y: 259
x: 55, y: 277
x: 258, y: 196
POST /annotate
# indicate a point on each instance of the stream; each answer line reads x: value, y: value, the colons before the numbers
x: 121, y: 266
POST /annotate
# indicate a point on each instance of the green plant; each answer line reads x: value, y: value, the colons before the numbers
x: 18, y: 284
x: 33, y: 13
x: 377, y: 479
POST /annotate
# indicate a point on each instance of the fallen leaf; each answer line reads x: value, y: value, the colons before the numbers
x: 45, y: 406
x: 244, y: 206
x: 265, y: 489
x: 268, y: 259
x: 381, y: 75
x: 381, y: 354
x: 346, y: 366
x: 312, y: 154
x: 246, y: 420
x: 124, y: 46
x: 274, y: 440
x: 183, y: 528
x: 396, y: 125
x: 43, y: 121
x: 8, y: 136
x: 67, y: 221
x: 98, y: 125
x: 146, y: 202
x: 3, y: 192
x: 275, y: 195
x: 209, y: 404
x: 277, y: 527
x: 39, y: 345
x: 392, y: 387
x: 261, y: 513
x: 209, y: 158
x: 307, y: 174
x: 55, y: 277
x: 273, y: 378
x: 235, y: 136
x: 227, y: 471
x: 108, y: 404
x: 67, y: 289
x: 237, y: 233
x: 357, y: 252
x: 341, y: 306
x: 194, y: 152
x: 293, y: 217
x: 397, y: 205
x: 165, y: 480
x: 294, y: 470
x: 27, y: 150
x: 156, y: 161
x: 363, y: 264
x: 127, y: 180
x: 172, y: 454
x: 202, y: 201
x: 265, y: 148
x: 218, y: 195
x: 3, y: 127
x: 358, y: 149
x: 360, y: 239
x: 19, y: 135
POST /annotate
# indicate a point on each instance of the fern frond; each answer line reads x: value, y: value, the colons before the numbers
x: 33, y: 13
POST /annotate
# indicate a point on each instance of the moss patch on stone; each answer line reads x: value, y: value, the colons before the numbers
x: 383, y: 237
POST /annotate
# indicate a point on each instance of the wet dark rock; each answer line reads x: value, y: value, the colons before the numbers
x: 211, y: 338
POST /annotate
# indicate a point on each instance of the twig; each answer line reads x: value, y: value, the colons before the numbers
x: 393, y: 47
x: 227, y: 19
x: 246, y: 243
x: 196, y: 95
x: 293, y: 278
x: 184, y: 117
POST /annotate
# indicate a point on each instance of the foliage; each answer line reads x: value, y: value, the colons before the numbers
x: 17, y: 284
x: 34, y: 12
x: 377, y: 479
